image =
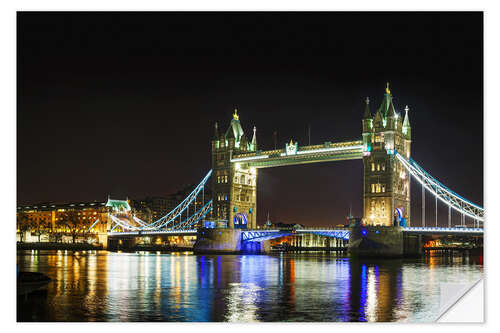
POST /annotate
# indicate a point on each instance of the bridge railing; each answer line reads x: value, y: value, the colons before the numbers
x: 439, y: 229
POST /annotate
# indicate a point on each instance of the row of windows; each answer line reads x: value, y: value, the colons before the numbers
x: 378, y: 166
x: 243, y: 180
x: 222, y: 212
x: 378, y: 138
x: 377, y: 188
x: 222, y: 179
x: 48, y: 216
x: 221, y: 196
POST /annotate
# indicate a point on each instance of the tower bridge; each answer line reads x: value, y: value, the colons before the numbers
x: 385, y: 151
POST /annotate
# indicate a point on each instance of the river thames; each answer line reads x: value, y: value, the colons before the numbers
x: 179, y: 287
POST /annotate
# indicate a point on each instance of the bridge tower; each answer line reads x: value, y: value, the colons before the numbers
x: 386, y: 188
x: 234, y: 185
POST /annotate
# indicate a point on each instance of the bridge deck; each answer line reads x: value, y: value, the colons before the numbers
x: 262, y: 234
x: 159, y: 232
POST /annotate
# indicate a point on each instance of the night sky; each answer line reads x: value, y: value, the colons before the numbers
x: 125, y: 103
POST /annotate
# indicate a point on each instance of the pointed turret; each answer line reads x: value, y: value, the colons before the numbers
x: 386, y: 107
x: 234, y: 131
x: 254, y: 139
x: 406, y: 123
x: 378, y: 119
x: 367, y: 123
x: 368, y: 113
x: 216, y: 132
x: 243, y: 142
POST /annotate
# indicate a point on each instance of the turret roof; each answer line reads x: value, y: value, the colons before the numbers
x: 386, y: 109
x: 234, y: 131
x: 254, y: 138
x: 118, y: 204
x: 406, y: 122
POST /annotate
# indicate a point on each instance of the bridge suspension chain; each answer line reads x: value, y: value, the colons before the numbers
x: 177, y: 211
x: 170, y: 217
x: 452, y: 199
x: 195, y: 217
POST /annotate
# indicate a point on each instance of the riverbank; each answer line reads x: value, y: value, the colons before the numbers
x: 58, y: 246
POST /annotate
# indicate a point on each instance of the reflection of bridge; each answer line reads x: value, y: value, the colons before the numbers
x: 384, y: 150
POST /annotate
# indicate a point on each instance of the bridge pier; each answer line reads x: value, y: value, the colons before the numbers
x: 383, y: 242
x: 227, y: 241
x: 121, y: 243
x: 102, y: 238
x: 218, y: 241
x: 412, y: 245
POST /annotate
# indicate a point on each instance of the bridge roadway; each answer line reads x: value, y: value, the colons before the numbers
x: 266, y: 234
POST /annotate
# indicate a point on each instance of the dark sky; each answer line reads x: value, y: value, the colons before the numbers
x: 125, y: 103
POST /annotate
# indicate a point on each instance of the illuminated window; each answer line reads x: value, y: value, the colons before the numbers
x: 383, y: 167
x: 373, y: 166
x: 225, y: 177
x: 373, y: 188
x: 378, y: 167
x: 383, y: 188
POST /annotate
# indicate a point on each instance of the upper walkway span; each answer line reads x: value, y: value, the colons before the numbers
x: 292, y: 154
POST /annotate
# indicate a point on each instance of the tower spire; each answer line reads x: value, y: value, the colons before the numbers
x: 216, y: 131
x: 235, y: 115
x: 406, y: 122
x: 254, y: 139
x: 368, y: 113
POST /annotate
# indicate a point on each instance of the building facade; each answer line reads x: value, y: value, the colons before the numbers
x: 49, y: 217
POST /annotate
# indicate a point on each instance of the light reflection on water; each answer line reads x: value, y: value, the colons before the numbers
x: 107, y: 286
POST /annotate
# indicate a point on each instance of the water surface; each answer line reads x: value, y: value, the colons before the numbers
x: 312, y: 287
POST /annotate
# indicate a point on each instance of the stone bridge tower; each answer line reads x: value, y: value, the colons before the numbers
x: 386, y: 183
x: 234, y: 185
